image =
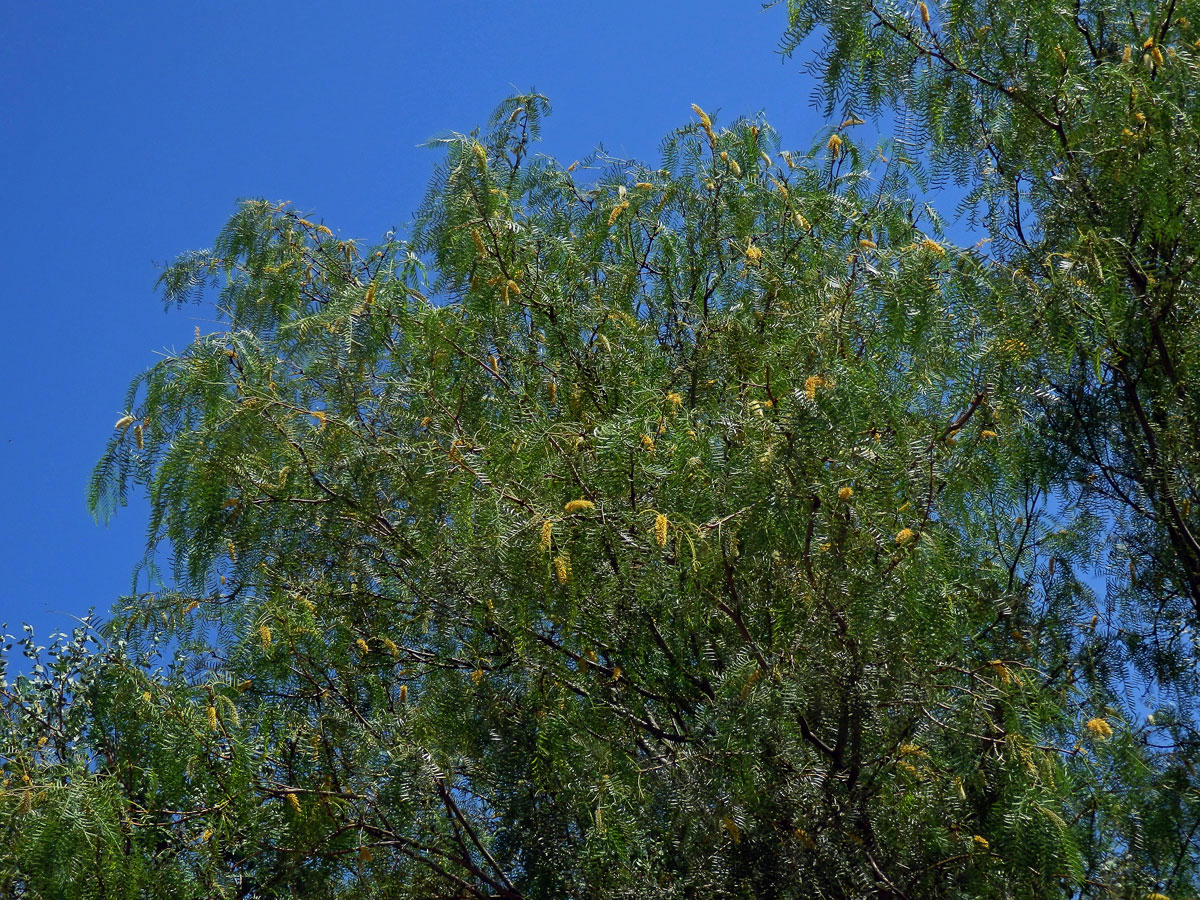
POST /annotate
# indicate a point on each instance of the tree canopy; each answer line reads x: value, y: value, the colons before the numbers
x: 705, y: 527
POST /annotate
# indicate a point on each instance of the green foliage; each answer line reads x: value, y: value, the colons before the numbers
x: 710, y: 528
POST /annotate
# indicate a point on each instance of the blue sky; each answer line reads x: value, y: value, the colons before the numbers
x: 131, y: 129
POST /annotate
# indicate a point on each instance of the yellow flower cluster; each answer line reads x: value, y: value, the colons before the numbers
x: 617, y: 210
x: 706, y: 124
x: 754, y: 255
x: 575, y: 506
x: 905, y: 536
x: 660, y: 530
x: 811, y: 383
x: 547, y: 534
x: 835, y: 145
x: 845, y: 493
x: 562, y: 568
x: 1099, y: 728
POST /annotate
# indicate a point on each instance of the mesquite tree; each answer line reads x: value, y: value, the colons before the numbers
x: 704, y: 528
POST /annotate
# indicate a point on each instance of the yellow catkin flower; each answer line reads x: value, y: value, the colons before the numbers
x: 703, y: 116
x: 391, y: 647
x: 205, y: 835
x: 547, y: 534
x: 811, y: 383
x: 933, y: 247
x: 987, y: 434
x: 42, y: 741
x: 552, y: 392
x: 905, y: 536
x: 1126, y: 54
x: 293, y: 801
x: 735, y: 168
x: 924, y: 13
x: 647, y: 443
x: 845, y: 493
x: 981, y: 842
x: 644, y: 185
x: 1149, y: 43
x: 574, y: 506
x: 562, y: 569
x: 675, y: 399
x: 513, y: 287
x: 912, y: 750
x: 660, y: 530
x: 1157, y: 56
x: 139, y: 436
x: 1099, y: 728
x: 754, y: 255
x: 363, y: 646
x: 146, y: 695
x: 264, y: 634
x: 211, y: 713
x: 1062, y: 57
x: 732, y: 827
x: 868, y: 244
x: 835, y: 145
x: 123, y: 423
x: 616, y: 211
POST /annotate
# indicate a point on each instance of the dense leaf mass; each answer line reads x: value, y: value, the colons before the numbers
x: 710, y: 528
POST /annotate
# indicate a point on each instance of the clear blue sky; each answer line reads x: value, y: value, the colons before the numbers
x: 131, y: 128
